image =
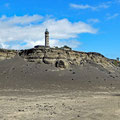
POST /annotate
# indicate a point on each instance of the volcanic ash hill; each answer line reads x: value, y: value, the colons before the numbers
x: 56, y: 68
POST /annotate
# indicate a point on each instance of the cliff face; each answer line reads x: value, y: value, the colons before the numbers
x: 7, y: 54
x: 60, y: 57
x: 64, y: 58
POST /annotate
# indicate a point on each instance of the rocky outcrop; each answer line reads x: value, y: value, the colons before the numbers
x: 64, y: 58
x: 60, y: 57
x: 7, y: 54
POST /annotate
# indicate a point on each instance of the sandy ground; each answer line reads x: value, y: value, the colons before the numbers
x: 30, y: 91
x: 79, y: 105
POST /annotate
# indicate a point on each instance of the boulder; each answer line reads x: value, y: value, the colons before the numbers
x: 61, y: 64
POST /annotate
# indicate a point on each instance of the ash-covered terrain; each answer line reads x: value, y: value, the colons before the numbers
x: 57, y: 68
x: 58, y: 84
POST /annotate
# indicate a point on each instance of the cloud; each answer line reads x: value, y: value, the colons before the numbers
x: 80, y: 6
x: 20, y: 20
x: 19, y: 32
x: 92, y: 20
x: 112, y: 16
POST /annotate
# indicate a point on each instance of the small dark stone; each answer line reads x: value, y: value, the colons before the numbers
x: 73, y: 72
x: 109, y: 72
x: 13, y: 68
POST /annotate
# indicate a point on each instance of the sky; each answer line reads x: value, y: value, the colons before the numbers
x: 84, y: 25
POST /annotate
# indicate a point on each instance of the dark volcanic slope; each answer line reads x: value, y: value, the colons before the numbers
x: 16, y: 74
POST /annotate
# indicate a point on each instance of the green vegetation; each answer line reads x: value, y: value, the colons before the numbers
x: 116, y: 63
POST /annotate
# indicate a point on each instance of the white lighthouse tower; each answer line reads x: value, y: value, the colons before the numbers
x: 47, y: 38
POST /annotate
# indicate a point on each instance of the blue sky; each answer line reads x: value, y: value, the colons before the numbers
x: 84, y: 25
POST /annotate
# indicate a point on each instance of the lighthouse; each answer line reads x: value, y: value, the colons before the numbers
x: 47, y: 38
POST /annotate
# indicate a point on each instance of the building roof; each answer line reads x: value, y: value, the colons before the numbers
x: 46, y: 31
